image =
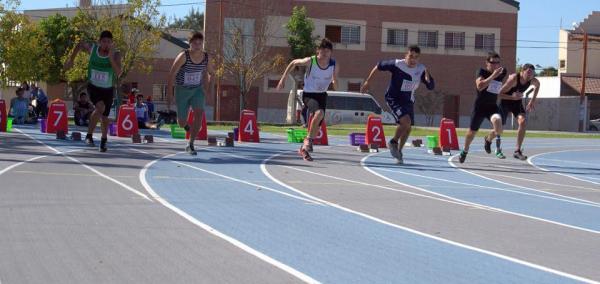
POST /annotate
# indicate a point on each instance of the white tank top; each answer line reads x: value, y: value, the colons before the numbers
x: 317, y: 79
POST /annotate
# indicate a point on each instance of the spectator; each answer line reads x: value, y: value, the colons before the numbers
x: 132, y: 95
x: 26, y: 90
x: 83, y: 109
x: 150, y: 105
x: 141, y: 112
x: 41, y: 101
x: 19, y: 107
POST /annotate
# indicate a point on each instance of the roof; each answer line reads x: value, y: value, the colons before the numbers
x: 592, y: 83
x: 175, y: 40
x: 512, y: 3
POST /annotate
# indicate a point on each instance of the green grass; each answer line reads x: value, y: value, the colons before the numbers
x: 345, y: 129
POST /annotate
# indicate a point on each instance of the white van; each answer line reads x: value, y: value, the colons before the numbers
x: 352, y: 107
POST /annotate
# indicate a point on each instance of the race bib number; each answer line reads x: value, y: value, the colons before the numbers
x: 99, y: 77
x: 409, y: 86
x: 494, y: 87
x: 192, y: 78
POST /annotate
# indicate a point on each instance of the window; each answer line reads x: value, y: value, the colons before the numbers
x: 428, y: 39
x: 351, y: 35
x: 455, y: 40
x: 353, y: 87
x: 272, y: 84
x: 485, y: 42
x: 159, y: 92
x: 562, y: 64
x: 334, y: 33
x: 397, y: 37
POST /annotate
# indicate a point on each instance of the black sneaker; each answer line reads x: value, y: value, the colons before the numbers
x: 190, y: 150
x: 399, y: 159
x: 89, y: 140
x: 186, y: 128
x: 462, y: 157
x: 393, y: 146
x: 487, y: 145
x: 519, y: 155
x: 103, y: 145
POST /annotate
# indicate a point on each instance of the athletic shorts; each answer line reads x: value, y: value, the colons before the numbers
x: 315, y: 101
x: 401, y: 108
x: 104, y: 95
x: 481, y: 112
x: 186, y: 98
x: 514, y: 107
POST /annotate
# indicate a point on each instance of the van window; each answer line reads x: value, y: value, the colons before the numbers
x: 353, y: 103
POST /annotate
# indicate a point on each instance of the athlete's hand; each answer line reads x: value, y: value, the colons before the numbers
x: 427, y: 78
x: 281, y: 85
x: 517, y: 96
x: 530, y: 106
x: 497, y: 72
x: 365, y: 87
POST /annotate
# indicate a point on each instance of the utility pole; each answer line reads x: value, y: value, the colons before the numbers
x: 583, y: 77
x: 217, y: 112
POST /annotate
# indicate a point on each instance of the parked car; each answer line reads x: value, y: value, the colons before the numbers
x: 594, y: 124
x: 352, y: 107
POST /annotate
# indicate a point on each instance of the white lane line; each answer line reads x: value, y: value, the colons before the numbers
x: 127, y: 187
x: 559, y: 198
x: 215, y: 232
x: 530, y: 161
x: 33, y: 159
x: 543, y: 182
x: 467, y: 203
x: 450, y: 242
x: 570, y: 162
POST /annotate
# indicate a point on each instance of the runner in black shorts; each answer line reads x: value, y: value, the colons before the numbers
x: 488, y: 84
x: 322, y: 71
x: 407, y: 76
x: 511, y: 101
x: 103, y: 70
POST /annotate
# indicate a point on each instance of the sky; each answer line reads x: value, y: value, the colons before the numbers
x: 539, y: 20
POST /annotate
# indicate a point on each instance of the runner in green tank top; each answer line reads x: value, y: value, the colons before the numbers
x: 103, y: 69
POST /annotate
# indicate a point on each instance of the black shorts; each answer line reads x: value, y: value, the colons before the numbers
x: 401, y: 108
x: 481, y: 112
x: 514, y: 107
x: 104, y: 95
x: 315, y: 101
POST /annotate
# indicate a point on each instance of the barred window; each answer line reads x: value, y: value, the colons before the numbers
x: 455, y: 40
x: 485, y: 42
x: 397, y: 37
x: 351, y: 35
x: 428, y: 39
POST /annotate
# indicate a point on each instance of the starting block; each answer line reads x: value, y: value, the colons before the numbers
x: 417, y: 143
x: 374, y: 148
x: 446, y: 149
x: 76, y: 136
x: 437, y: 150
x: 212, y: 141
x: 148, y: 139
x: 136, y: 138
x: 231, y: 135
x: 364, y: 148
x: 61, y: 134
x: 229, y: 141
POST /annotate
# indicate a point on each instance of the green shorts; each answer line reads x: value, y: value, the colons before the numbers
x: 186, y: 98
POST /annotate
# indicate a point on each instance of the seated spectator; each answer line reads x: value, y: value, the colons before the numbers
x: 150, y: 105
x: 19, y: 108
x: 41, y: 101
x: 83, y: 110
x: 141, y: 112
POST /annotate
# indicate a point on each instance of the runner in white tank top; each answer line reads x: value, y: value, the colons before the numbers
x: 321, y: 72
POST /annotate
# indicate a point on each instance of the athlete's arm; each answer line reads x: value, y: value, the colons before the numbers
x: 336, y: 72
x: 509, y: 84
x: 177, y: 63
x: 296, y: 62
x: 115, y: 61
x: 427, y: 79
x: 482, y: 83
x: 81, y: 46
x: 531, y: 103
x: 365, y: 87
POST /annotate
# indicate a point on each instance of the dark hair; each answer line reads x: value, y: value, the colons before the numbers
x: 106, y: 34
x: 195, y: 36
x: 491, y: 55
x: 528, y: 66
x: 325, y: 43
x: 414, y: 48
x: 19, y: 90
x: 82, y: 94
x: 139, y: 96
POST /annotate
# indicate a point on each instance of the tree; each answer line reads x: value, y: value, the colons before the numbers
x: 247, y: 56
x: 302, y: 44
x: 194, y: 20
x: 549, y: 71
x: 20, y: 52
x: 136, y: 29
x: 56, y: 36
x: 430, y: 104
